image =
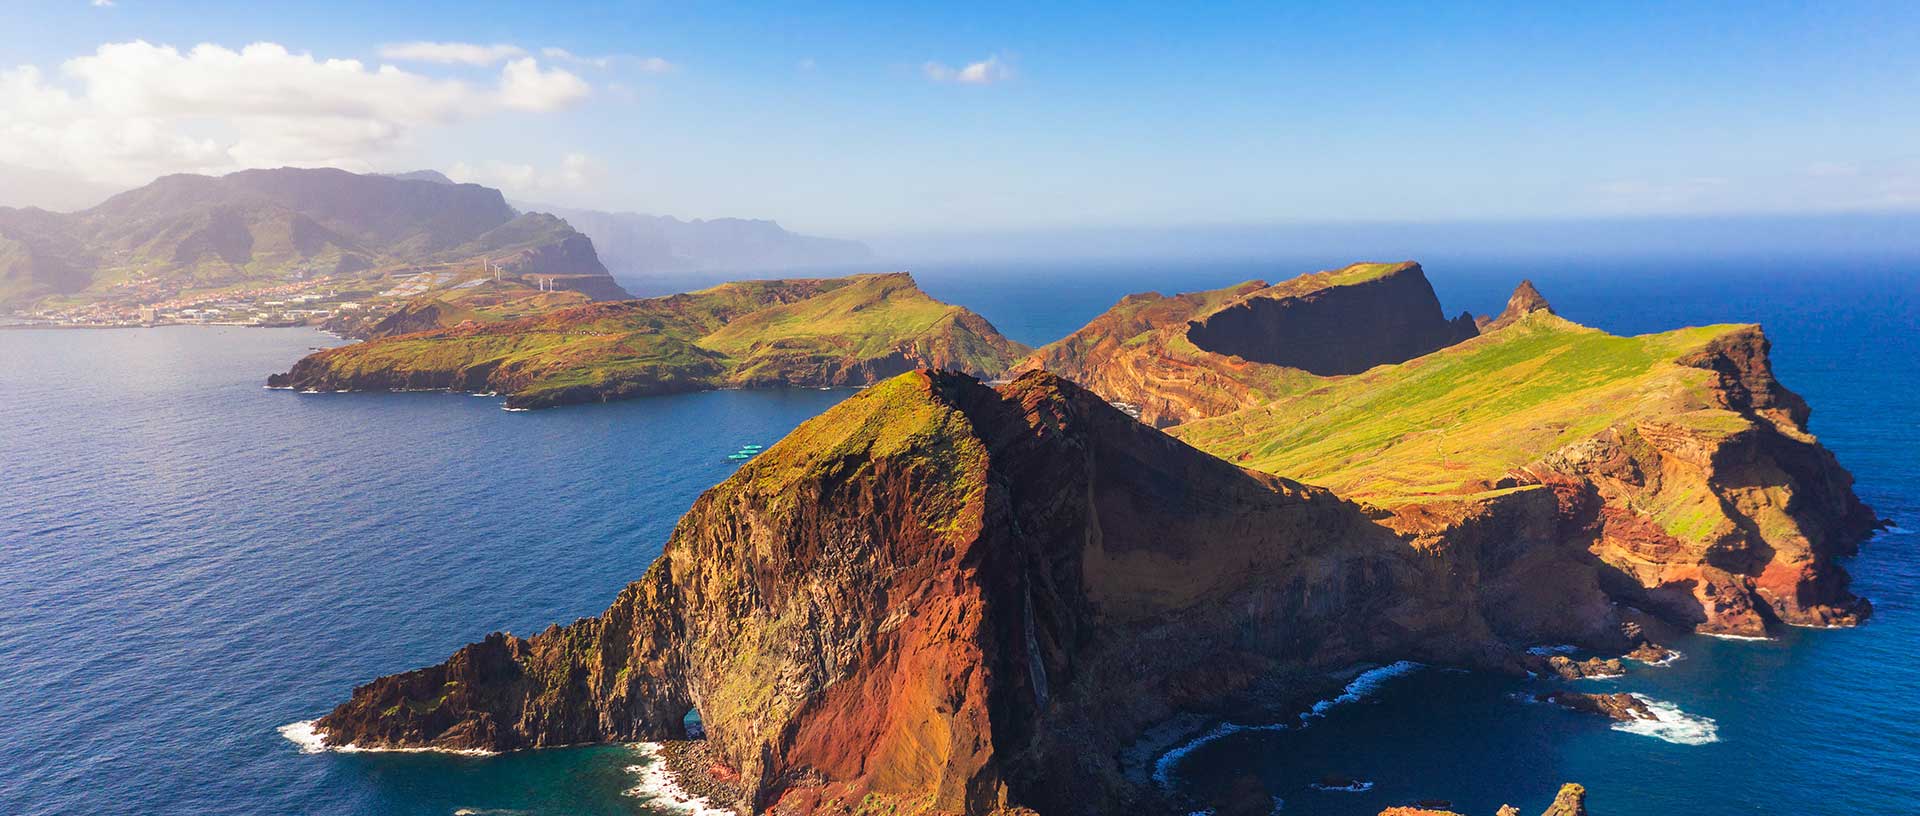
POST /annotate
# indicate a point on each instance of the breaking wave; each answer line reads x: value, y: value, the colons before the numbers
x: 660, y: 791
x: 309, y: 739
x: 1363, y: 686
x: 1670, y: 724
x: 1359, y: 688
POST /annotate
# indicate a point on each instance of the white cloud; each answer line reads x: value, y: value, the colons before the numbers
x: 524, y: 86
x: 102, y: 3
x: 130, y: 111
x: 451, y: 53
x: 575, y: 172
x: 650, y: 65
x: 985, y: 72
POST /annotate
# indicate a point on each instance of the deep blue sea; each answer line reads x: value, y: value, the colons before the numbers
x: 189, y: 562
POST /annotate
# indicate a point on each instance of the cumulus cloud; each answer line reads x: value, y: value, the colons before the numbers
x: 985, y: 72
x: 525, y: 86
x: 133, y: 110
x: 575, y: 172
x: 451, y: 53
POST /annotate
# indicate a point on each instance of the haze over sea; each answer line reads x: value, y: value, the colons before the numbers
x: 190, y: 562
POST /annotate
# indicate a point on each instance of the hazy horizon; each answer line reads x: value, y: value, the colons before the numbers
x: 894, y: 125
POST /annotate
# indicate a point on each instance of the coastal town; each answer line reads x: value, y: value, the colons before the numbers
x: 288, y: 304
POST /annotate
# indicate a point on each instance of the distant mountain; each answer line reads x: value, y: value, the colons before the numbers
x: 434, y: 176
x: 191, y: 232
x: 639, y: 245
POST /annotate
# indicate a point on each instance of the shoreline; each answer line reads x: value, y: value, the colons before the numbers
x: 679, y: 775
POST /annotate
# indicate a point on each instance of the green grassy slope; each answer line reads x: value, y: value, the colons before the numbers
x: 1457, y: 420
x: 836, y: 331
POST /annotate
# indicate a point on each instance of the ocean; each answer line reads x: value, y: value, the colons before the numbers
x: 190, y: 562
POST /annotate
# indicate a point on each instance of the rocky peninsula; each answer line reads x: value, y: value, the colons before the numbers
x: 944, y: 597
x: 854, y: 330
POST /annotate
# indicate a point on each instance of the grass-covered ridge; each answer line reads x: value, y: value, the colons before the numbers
x: 818, y: 331
x: 1457, y: 420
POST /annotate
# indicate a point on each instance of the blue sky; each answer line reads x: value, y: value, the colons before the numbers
x: 853, y: 119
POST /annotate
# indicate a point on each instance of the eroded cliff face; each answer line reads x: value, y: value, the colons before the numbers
x: 955, y: 599
x: 1172, y: 360
x: 1728, y: 517
x: 1334, y: 322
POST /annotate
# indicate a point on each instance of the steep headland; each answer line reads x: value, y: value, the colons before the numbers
x: 1191, y: 356
x: 1675, y: 460
x: 810, y: 332
x: 1342, y: 321
x: 941, y: 597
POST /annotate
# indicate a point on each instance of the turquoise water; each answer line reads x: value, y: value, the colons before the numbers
x: 189, y: 562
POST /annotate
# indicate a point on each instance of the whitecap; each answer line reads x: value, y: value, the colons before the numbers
x: 660, y: 791
x: 1734, y: 637
x: 1670, y: 724
x: 1672, y: 655
x: 1163, y: 767
x: 514, y: 410
x: 304, y: 735
x: 1363, y: 686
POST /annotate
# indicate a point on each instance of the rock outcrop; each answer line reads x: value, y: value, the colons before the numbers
x: 1339, y: 322
x: 1570, y: 801
x: 1569, y: 669
x: 1617, y: 706
x: 958, y: 599
x: 1524, y: 301
x: 1202, y: 354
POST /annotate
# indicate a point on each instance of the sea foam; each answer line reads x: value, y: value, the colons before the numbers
x: 660, y: 791
x: 1359, y: 688
x: 1363, y: 686
x: 310, y: 741
x: 1671, y: 724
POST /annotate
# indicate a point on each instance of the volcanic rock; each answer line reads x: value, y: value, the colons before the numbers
x: 1618, y: 706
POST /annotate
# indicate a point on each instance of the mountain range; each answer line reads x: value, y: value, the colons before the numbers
x: 185, y: 233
